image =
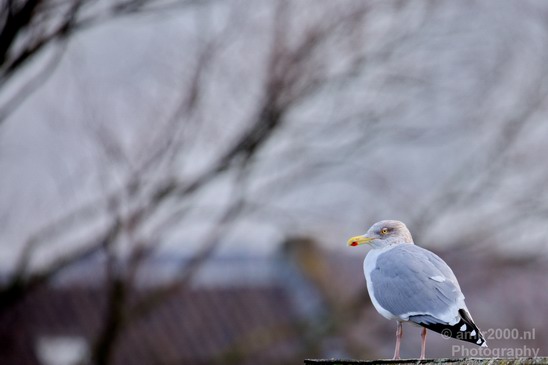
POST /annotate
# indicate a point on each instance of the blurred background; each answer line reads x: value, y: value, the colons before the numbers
x: 178, y: 178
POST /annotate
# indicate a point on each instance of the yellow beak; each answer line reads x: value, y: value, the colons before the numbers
x: 358, y: 240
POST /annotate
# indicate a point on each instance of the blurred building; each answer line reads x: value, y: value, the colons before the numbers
x: 238, y: 310
x: 55, y: 326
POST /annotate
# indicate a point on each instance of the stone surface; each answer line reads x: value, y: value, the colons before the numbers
x: 452, y: 361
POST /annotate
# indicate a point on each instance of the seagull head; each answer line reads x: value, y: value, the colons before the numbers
x: 382, y: 234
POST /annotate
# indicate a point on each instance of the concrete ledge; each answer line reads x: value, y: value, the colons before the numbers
x: 452, y: 361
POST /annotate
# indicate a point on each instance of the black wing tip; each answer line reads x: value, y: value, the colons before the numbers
x: 467, y: 319
x: 464, y: 330
x: 460, y: 331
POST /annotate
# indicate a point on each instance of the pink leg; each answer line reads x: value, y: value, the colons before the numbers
x: 399, y: 334
x: 423, y: 343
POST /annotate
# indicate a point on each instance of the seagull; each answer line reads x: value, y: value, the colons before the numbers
x: 408, y: 283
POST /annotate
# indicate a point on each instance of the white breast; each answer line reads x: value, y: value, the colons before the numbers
x: 369, y: 265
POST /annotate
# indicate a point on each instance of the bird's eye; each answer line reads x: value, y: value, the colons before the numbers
x: 384, y: 230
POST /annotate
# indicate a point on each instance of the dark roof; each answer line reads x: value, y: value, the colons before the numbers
x: 203, y: 325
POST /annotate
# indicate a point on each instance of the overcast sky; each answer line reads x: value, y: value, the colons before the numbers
x: 443, y: 97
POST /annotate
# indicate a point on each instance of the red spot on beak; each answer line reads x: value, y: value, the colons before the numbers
x: 354, y: 243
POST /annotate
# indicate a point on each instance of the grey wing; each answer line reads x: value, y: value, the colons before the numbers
x: 409, y: 280
x: 440, y: 265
